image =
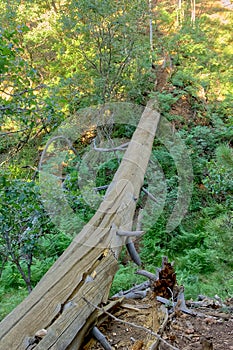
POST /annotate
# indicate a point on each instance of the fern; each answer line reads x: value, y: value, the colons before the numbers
x: 224, y: 156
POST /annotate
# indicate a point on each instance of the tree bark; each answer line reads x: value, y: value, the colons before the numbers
x: 86, y: 269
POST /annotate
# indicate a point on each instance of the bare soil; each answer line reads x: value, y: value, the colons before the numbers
x: 212, y: 331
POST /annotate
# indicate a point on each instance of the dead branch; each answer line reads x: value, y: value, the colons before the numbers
x: 100, y: 188
x: 134, y: 290
x: 136, y: 295
x: 129, y: 233
x: 164, y: 301
x: 147, y: 274
x: 179, y: 305
x: 14, y: 132
x: 118, y: 148
x: 149, y: 195
x: 110, y: 306
x: 133, y: 252
x: 99, y: 336
x: 41, y: 86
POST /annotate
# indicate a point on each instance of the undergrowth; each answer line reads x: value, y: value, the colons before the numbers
x: 202, y: 245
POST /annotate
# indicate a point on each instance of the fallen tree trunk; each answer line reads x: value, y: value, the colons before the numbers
x: 86, y: 269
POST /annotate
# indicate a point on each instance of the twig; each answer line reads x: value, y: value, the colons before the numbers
x: 118, y: 148
x: 172, y: 294
x: 13, y: 132
x: 131, y: 324
x: 24, y: 91
x: 100, y: 188
x: 149, y: 195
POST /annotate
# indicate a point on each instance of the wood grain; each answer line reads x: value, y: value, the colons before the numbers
x: 88, y: 265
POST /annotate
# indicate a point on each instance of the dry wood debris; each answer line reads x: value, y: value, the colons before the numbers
x: 186, y: 325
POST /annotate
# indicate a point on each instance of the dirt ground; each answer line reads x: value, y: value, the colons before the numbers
x: 212, y: 330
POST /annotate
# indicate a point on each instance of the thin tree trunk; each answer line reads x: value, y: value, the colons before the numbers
x: 86, y: 269
x: 193, y: 11
x: 179, y: 13
x: 150, y: 25
x: 24, y: 276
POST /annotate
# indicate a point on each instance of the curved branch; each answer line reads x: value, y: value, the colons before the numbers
x: 118, y: 148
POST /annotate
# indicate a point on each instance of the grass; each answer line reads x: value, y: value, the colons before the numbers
x: 10, y: 299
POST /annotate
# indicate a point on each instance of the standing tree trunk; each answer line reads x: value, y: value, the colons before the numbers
x: 193, y: 11
x: 86, y: 269
x: 151, y: 26
x: 179, y: 13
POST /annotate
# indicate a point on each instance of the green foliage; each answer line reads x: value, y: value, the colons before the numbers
x: 202, y: 249
x: 201, y: 141
x: 220, y: 238
x: 154, y: 241
x: 7, y: 54
x: 125, y: 278
x: 114, y: 56
x: 52, y: 245
x: 26, y: 110
x: 106, y: 172
x: 11, y: 277
x: 210, y: 284
x: 23, y: 222
x: 220, y: 174
x: 224, y: 155
x: 9, y: 300
x: 166, y: 100
x: 197, y: 261
x: 113, y: 65
x: 56, y: 57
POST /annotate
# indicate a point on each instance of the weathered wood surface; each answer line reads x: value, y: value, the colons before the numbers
x: 87, y: 267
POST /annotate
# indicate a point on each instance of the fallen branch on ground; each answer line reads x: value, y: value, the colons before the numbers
x: 133, y: 292
x: 99, y: 336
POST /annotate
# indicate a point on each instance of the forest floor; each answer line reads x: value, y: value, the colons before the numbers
x: 211, y: 330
